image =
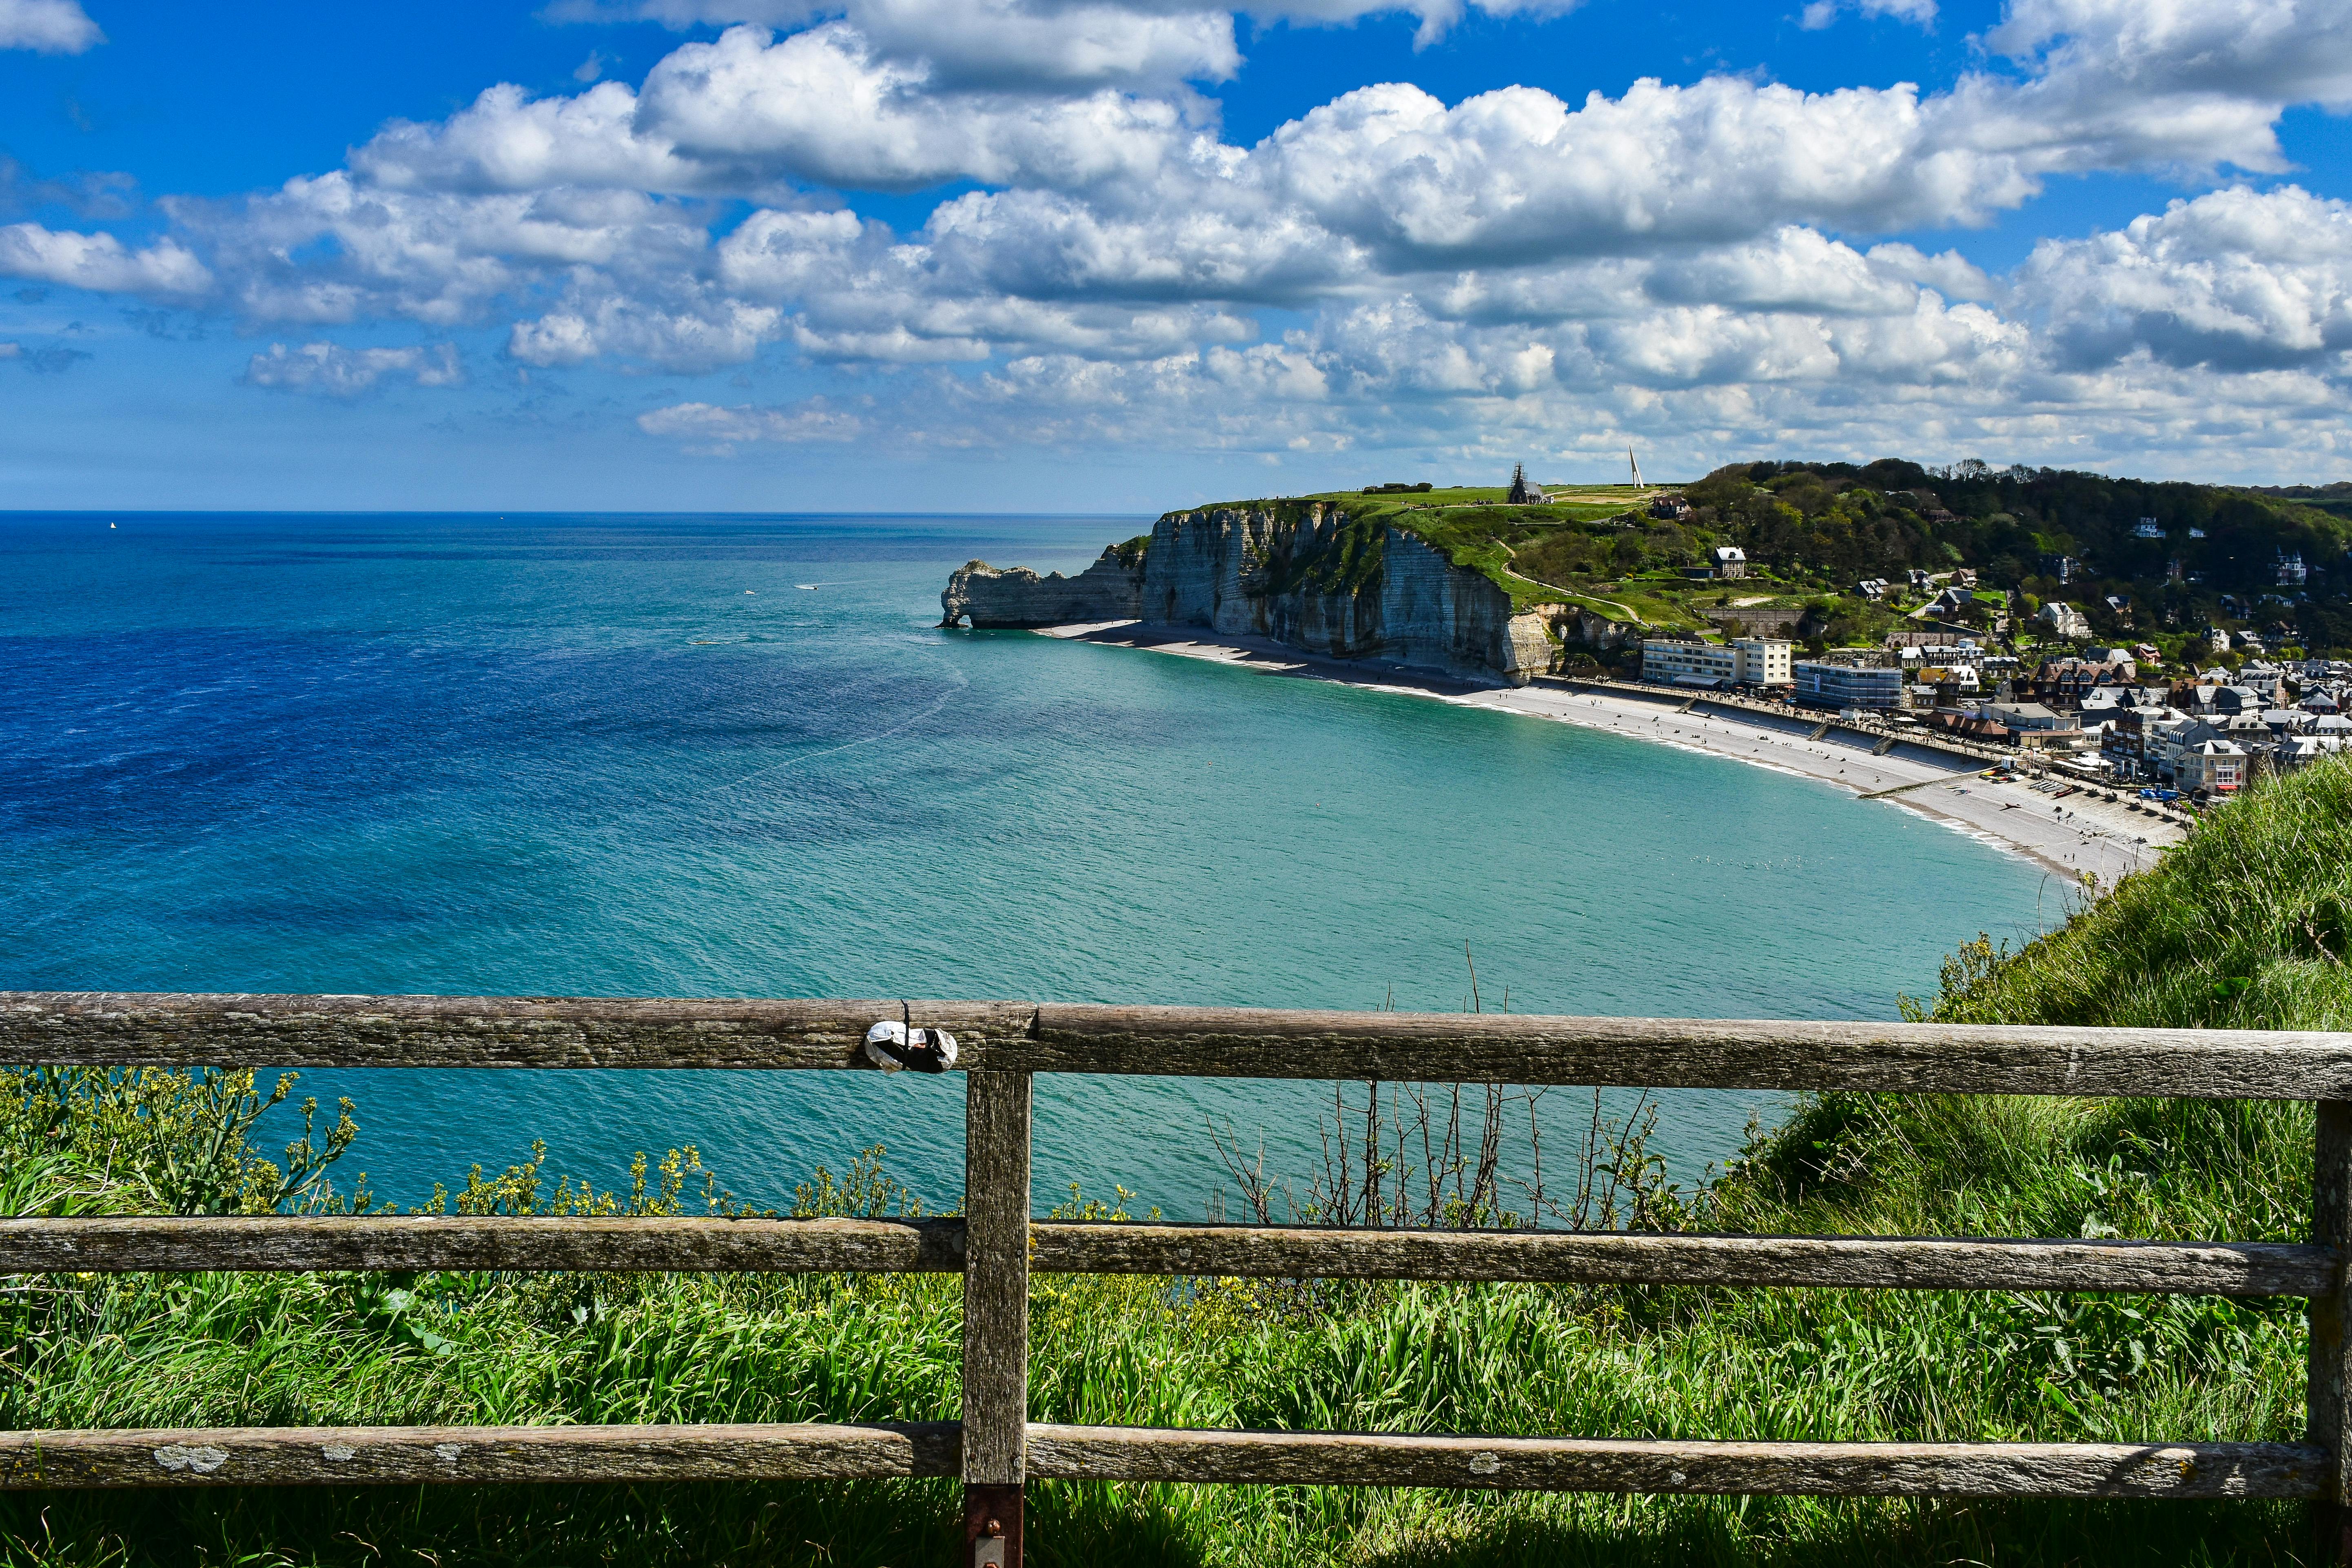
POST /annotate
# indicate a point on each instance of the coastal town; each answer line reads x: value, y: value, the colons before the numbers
x: 2074, y: 667
x: 2176, y: 641
x: 2109, y: 715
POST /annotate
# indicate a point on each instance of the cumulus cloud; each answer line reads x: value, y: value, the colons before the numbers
x: 331, y: 370
x: 1020, y: 44
x: 47, y: 26
x: 1692, y: 257
x: 2234, y: 280
x: 1517, y: 174
x: 1819, y: 14
x: 2274, y: 51
x: 825, y: 105
x: 100, y: 262
x: 706, y: 428
x: 507, y: 140
x: 701, y: 334
x: 1948, y: 272
x: 1510, y: 174
x: 1013, y: 44
x: 2198, y: 83
x: 430, y: 257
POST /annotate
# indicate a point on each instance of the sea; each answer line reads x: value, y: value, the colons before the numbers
x: 724, y: 755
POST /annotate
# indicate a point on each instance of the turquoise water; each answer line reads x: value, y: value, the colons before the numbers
x: 629, y: 756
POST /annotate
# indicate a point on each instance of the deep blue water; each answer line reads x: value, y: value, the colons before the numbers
x: 629, y: 756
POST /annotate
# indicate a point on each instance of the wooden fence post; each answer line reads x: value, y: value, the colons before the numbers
x: 995, y: 1315
x: 2331, y: 1418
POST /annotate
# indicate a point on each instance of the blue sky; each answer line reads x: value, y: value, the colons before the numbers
x: 1129, y: 254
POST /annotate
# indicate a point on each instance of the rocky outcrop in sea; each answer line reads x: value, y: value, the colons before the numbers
x: 1109, y: 590
x: 1306, y: 574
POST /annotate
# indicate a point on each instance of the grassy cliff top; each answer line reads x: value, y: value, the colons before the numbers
x: 1460, y: 506
x: 1472, y: 526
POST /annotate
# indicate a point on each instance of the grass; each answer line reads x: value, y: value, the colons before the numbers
x: 1474, y: 530
x: 1470, y: 527
x: 2242, y: 925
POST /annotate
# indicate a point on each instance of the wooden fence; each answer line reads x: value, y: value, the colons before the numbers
x: 995, y: 1450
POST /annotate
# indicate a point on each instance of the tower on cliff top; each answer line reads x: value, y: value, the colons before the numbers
x: 1634, y: 466
x: 1523, y: 493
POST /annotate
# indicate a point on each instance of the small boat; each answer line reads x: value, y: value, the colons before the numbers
x: 805, y: 587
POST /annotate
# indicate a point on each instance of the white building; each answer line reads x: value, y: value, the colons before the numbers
x: 1765, y: 661
x: 2065, y: 620
x: 1744, y: 661
x: 2218, y: 767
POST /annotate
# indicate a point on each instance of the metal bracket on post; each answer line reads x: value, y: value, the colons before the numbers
x: 2331, y: 1415
x: 992, y: 1526
x: 995, y: 1315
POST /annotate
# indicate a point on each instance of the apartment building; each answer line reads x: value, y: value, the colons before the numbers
x: 1743, y: 661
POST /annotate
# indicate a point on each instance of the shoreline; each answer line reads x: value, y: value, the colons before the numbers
x: 2079, y: 836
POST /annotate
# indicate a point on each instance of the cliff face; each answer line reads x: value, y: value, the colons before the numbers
x: 1315, y: 579
x: 1109, y: 590
x: 1327, y: 584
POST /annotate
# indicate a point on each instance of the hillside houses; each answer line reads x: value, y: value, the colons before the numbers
x: 2065, y: 620
x: 2217, y: 732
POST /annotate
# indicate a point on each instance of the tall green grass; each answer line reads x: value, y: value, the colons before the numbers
x: 2245, y: 925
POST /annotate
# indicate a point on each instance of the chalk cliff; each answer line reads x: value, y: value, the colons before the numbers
x: 1305, y: 574
x: 1109, y: 590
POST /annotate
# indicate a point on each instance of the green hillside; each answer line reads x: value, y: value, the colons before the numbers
x: 2209, y: 555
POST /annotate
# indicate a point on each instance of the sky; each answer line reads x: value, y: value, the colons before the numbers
x: 1130, y: 254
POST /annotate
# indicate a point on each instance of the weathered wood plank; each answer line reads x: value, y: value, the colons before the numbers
x: 359, y: 1456
x: 365, y: 1456
x: 2330, y: 1389
x: 168, y: 1029
x: 2216, y: 1268
x: 1609, y: 1465
x: 1684, y: 1053
x: 1016, y: 1036
x: 996, y: 1276
x: 287, y: 1243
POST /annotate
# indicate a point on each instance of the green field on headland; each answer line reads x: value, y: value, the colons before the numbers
x: 2163, y: 564
x: 2245, y: 925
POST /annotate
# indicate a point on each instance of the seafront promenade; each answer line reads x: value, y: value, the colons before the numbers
x: 1967, y: 754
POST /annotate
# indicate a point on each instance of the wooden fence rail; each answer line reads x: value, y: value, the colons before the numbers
x: 293, y: 1244
x: 102, y: 1028
x: 995, y: 1245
